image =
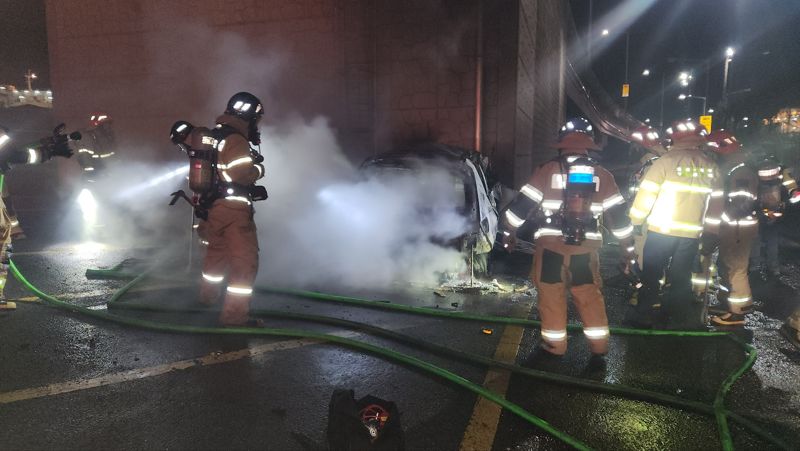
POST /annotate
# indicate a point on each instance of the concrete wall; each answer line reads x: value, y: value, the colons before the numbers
x: 524, y: 95
x: 385, y: 72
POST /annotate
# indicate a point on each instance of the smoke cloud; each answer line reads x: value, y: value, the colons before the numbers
x: 328, y: 223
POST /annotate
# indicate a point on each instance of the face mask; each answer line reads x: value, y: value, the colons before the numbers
x: 253, y: 135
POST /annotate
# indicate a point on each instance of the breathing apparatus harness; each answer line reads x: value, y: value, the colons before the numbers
x: 204, y: 178
x: 578, y: 185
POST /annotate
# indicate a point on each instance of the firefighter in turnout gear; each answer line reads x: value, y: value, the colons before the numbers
x: 98, y: 146
x: 227, y: 206
x: 567, y: 196
x: 776, y: 188
x: 738, y: 227
x: 671, y: 203
x: 56, y: 145
x: 648, y: 139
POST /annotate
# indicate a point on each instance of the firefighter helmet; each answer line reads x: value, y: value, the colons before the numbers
x: 99, y: 118
x: 180, y: 131
x: 646, y: 136
x: 723, y: 142
x: 687, y: 132
x: 576, y: 134
x: 245, y: 106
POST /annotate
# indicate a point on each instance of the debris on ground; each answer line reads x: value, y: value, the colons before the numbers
x: 457, y: 285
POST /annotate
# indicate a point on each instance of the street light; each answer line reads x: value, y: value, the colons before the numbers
x: 605, y: 32
x: 30, y: 76
x: 728, y: 58
x: 646, y: 73
x: 710, y: 110
x: 682, y: 97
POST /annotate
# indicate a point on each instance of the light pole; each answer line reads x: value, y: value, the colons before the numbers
x: 692, y: 96
x: 28, y: 77
x: 627, y: 46
x: 661, y: 111
x: 728, y: 58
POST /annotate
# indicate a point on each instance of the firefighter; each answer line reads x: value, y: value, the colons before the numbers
x: 98, y: 145
x: 738, y: 227
x: 57, y: 145
x: 568, y: 195
x: 647, y: 138
x: 776, y: 188
x: 671, y: 203
x: 232, y: 253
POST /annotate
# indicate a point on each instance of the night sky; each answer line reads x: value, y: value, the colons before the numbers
x: 23, y: 42
x: 675, y: 35
x: 668, y: 36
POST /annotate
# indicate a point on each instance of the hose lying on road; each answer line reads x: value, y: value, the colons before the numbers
x: 293, y: 333
x: 717, y: 409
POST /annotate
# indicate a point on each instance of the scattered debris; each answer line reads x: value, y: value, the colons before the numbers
x: 454, y: 304
x: 487, y: 331
x: 439, y: 293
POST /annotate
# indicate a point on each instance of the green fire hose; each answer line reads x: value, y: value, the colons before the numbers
x: 293, y: 333
x: 717, y: 409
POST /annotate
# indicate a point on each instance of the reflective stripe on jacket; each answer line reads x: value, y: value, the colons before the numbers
x: 545, y: 190
x: 673, y: 196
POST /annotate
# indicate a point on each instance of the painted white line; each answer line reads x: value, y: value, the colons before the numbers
x: 143, y: 373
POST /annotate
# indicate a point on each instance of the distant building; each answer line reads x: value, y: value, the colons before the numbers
x: 787, y: 120
x: 11, y: 97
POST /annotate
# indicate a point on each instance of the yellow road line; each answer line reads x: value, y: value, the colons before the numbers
x: 482, y: 427
x: 142, y: 373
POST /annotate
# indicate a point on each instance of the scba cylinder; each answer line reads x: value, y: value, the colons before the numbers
x: 577, y: 211
x: 202, y: 156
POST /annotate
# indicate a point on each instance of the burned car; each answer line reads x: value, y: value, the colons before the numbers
x: 472, y: 197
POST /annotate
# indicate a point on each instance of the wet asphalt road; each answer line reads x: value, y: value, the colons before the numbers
x: 278, y: 397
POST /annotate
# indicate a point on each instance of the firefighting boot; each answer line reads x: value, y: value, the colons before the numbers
x: 731, y: 319
x: 595, y: 368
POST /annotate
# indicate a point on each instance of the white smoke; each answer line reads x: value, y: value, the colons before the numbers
x: 325, y: 221
x: 328, y: 223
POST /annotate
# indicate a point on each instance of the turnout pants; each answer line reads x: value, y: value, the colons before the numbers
x: 671, y: 256
x: 554, y: 271
x: 232, y: 255
x: 734, y: 255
